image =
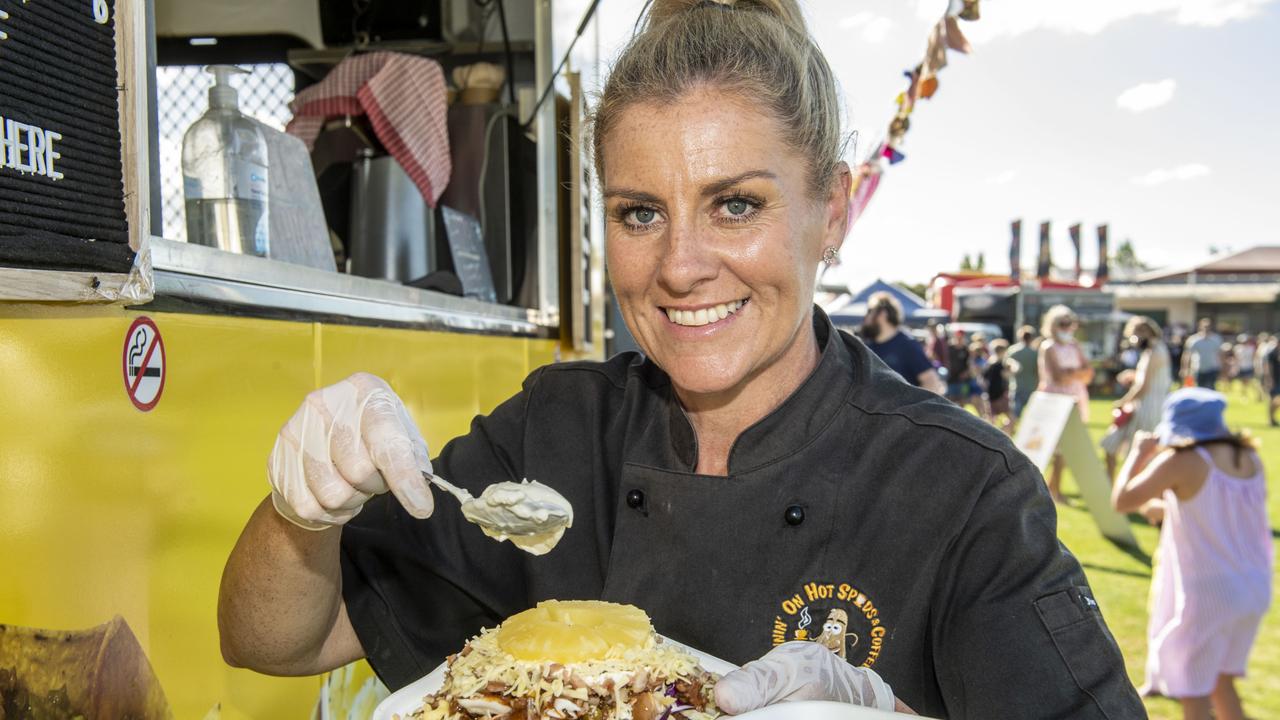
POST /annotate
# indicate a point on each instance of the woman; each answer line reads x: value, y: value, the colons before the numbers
x: 750, y: 470
x: 1212, y: 580
x: 1140, y: 406
x: 1063, y: 370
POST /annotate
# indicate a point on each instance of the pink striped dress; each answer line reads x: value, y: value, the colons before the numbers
x: 1069, y: 357
x: 1211, y: 584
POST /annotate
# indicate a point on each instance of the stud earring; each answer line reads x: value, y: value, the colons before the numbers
x: 830, y: 255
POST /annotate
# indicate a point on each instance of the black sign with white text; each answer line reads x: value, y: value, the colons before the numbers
x: 61, y: 180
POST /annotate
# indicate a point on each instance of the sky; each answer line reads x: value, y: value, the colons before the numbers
x: 1157, y: 117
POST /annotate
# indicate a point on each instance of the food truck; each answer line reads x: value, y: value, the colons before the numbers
x: 1010, y: 304
x: 147, y: 376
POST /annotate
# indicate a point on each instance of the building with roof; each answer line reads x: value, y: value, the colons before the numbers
x: 1237, y: 291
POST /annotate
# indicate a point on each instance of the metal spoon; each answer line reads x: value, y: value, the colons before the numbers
x: 529, y: 514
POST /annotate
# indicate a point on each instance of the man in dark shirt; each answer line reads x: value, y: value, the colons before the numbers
x: 883, y: 335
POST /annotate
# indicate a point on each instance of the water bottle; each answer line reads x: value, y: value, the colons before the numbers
x: 224, y: 174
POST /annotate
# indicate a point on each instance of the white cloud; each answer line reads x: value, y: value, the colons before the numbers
x: 1147, y: 96
x: 1182, y: 172
x: 1015, y: 17
x: 875, y: 28
x: 1003, y: 178
x: 1212, y: 13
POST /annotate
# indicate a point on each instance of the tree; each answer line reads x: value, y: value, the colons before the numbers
x: 966, y: 263
x: 982, y: 262
x: 920, y: 289
x: 1126, y: 258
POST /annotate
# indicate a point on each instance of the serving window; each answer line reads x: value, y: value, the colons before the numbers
x: 508, y: 240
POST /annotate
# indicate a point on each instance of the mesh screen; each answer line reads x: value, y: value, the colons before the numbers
x: 182, y: 96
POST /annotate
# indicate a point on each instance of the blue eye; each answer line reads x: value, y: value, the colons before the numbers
x: 737, y: 206
x: 643, y: 216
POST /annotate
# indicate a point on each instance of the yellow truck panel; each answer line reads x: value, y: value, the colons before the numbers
x: 108, y: 510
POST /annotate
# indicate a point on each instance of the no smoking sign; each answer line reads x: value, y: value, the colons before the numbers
x: 143, y: 362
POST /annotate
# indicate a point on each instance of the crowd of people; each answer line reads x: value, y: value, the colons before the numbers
x: 1245, y: 363
x: 1183, y: 469
x: 990, y: 375
x: 996, y: 378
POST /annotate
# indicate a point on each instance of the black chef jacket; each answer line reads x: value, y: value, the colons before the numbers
x: 864, y: 513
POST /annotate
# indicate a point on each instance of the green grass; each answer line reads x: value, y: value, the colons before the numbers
x: 1121, y: 581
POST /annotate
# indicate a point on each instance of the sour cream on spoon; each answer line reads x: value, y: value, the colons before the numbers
x: 529, y: 514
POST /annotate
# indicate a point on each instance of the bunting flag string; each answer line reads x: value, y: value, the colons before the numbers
x: 922, y: 83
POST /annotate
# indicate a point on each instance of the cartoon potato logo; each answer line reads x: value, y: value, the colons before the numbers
x: 835, y: 633
x: 854, y: 628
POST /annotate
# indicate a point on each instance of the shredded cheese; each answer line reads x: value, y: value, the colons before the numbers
x: 612, y: 682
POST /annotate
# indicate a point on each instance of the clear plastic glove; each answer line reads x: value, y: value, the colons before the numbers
x: 801, y: 670
x: 347, y: 443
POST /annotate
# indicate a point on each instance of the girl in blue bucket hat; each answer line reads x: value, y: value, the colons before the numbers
x: 1212, y: 579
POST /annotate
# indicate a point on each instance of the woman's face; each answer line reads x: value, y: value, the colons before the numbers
x: 714, y: 238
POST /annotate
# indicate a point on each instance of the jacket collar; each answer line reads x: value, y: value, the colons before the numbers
x: 790, y: 427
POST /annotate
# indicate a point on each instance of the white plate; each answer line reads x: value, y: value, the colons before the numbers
x: 811, y: 710
x: 409, y: 698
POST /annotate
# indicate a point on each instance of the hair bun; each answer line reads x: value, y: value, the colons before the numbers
x: 788, y: 11
x: 758, y: 49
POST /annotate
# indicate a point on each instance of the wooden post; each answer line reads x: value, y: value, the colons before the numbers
x: 131, y: 54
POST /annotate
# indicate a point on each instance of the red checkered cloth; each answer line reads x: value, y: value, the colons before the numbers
x: 404, y: 98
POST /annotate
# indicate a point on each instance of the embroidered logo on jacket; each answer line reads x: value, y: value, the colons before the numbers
x: 837, y: 615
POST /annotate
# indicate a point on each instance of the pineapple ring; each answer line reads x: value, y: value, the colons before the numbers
x: 574, y: 631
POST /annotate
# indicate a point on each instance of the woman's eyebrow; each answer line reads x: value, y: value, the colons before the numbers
x: 710, y: 189
x: 719, y: 186
x: 635, y: 195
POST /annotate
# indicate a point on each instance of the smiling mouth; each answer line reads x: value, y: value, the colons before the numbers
x: 704, y: 316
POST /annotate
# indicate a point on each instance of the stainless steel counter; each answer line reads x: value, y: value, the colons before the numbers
x: 199, y: 274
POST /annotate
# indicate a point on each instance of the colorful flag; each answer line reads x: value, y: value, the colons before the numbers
x: 1074, y: 231
x: 922, y: 83
x: 1103, y: 271
x: 1045, y: 262
x: 866, y: 178
x: 1015, y: 251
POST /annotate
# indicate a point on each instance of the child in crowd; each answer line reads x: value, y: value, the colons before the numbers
x: 997, y: 377
x: 1212, y: 580
x: 959, y: 369
x: 979, y: 358
x: 1244, y: 352
x: 1227, y: 361
x: 1270, y: 376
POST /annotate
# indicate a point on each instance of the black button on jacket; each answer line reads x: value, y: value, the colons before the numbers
x: 865, y: 514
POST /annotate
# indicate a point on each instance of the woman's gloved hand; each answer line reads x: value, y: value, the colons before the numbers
x: 801, y: 670
x: 347, y: 443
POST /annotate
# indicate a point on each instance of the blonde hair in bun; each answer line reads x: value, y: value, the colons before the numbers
x: 788, y: 11
x: 760, y: 50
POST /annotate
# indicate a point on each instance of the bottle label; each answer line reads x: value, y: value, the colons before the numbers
x: 250, y: 182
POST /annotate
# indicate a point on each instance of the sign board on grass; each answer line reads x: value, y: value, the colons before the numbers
x: 1051, y: 425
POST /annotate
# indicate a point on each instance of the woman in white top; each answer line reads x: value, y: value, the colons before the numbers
x: 1212, y: 580
x: 1139, y: 409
